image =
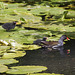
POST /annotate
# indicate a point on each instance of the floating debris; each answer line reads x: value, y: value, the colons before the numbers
x: 3, y: 43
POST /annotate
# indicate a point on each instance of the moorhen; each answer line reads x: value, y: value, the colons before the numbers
x: 9, y: 26
x: 38, y: 41
x: 55, y: 44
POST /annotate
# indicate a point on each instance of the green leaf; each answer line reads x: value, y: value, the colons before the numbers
x: 25, y: 69
x: 23, y: 20
x: 31, y: 47
x: 14, y: 55
x: 46, y: 74
x: 3, y: 68
x: 60, y: 0
x: 8, y: 61
x: 4, y: 47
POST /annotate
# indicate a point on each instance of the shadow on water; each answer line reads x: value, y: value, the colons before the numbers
x: 58, y: 61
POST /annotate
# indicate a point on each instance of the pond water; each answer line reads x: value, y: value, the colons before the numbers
x: 57, y: 61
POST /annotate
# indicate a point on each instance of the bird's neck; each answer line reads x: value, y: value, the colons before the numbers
x: 60, y: 42
x: 44, y: 39
x: 14, y: 23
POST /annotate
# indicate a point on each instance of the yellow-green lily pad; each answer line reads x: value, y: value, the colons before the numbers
x: 4, y: 48
x: 46, y: 74
x: 31, y: 47
x: 25, y: 47
x: 3, y: 68
x: 8, y: 61
x: 26, y: 69
x: 14, y: 55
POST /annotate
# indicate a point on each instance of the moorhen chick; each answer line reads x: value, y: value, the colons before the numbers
x: 9, y: 26
x: 38, y: 41
x: 55, y: 44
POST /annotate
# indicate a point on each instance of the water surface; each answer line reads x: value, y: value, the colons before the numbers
x: 58, y: 61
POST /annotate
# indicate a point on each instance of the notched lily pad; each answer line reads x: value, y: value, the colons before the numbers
x: 26, y: 69
x: 8, y: 61
x: 14, y: 55
x: 3, y: 68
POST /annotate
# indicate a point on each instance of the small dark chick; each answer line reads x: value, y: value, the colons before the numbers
x: 38, y: 41
x: 9, y: 26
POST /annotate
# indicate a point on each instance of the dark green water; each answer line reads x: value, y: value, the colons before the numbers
x: 58, y: 61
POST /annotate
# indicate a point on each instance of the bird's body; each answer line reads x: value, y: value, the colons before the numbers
x: 51, y: 43
x: 9, y: 26
x: 38, y: 41
x: 55, y: 44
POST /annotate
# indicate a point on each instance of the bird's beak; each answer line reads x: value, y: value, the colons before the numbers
x: 47, y: 37
x: 68, y: 38
x: 16, y: 22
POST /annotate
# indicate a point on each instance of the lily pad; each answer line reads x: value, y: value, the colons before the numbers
x: 31, y: 47
x: 3, y: 68
x: 49, y: 10
x: 71, y: 14
x: 60, y: 0
x: 26, y: 69
x: 4, y: 47
x: 8, y: 61
x: 14, y: 55
x: 46, y: 74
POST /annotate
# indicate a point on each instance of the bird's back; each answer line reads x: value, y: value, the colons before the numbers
x: 37, y: 41
x: 8, y: 26
x: 52, y: 43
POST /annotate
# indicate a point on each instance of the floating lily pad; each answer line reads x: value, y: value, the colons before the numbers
x: 46, y: 74
x: 49, y: 10
x: 31, y: 47
x: 61, y: 0
x: 71, y: 14
x: 3, y: 68
x: 8, y: 61
x: 4, y: 47
x: 26, y: 69
x: 14, y: 55
x: 21, y: 35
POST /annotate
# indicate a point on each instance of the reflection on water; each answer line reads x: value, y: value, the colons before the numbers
x: 58, y: 61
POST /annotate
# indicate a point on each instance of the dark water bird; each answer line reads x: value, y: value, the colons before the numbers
x: 38, y: 41
x: 55, y: 44
x: 9, y: 26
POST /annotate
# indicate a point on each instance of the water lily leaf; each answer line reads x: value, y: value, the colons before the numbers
x: 60, y: 0
x: 71, y: 14
x: 35, y: 27
x: 31, y: 47
x: 14, y: 55
x: 18, y: 46
x: 23, y: 20
x: 3, y: 68
x: 46, y: 74
x: 8, y: 61
x: 14, y: 44
x: 25, y: 69
x: 4, y: 47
